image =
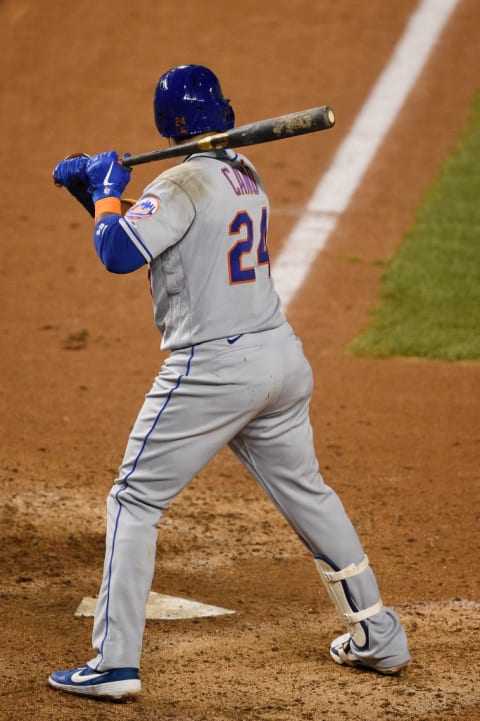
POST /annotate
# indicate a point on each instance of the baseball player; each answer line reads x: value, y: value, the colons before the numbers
x: 236, y: 375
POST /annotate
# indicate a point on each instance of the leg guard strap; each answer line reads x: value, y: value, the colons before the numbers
x: 351, y: 570
x: 363, y: 615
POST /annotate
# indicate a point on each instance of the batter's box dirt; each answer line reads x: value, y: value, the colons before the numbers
x: 442, y: 682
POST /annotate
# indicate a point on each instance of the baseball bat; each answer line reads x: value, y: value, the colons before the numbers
x: 263, y: 131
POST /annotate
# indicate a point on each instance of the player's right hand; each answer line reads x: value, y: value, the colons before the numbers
x: 107, y: 177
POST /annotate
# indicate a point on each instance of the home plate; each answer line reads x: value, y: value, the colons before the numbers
x: 163, y: 608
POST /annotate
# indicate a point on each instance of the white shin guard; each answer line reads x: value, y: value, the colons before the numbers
x: 335, y: 584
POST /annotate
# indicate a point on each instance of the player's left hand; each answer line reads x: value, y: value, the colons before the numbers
x: 107, y: 177
x: 71, y: 174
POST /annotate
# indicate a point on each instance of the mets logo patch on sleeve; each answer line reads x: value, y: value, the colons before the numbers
x: 143, y: 209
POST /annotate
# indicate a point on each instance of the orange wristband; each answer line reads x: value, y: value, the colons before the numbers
x: 108, y: 205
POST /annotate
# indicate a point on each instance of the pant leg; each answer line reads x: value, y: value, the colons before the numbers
x: 278, y: 449
x: 199, y: 401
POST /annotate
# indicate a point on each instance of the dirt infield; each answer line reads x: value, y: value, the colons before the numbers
x: 398, y: 439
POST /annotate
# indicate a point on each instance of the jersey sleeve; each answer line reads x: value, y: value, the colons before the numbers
x: 115, y: 248
x: 159, y: 219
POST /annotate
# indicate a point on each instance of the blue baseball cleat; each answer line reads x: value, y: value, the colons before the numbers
x: 117, y: 684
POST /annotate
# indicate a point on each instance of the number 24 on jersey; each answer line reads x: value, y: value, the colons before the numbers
x: 243, y: 228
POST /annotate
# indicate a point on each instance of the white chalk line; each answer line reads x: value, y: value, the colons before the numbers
x: 335, y: 189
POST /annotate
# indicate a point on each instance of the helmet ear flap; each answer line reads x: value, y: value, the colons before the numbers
x: 189, y: 100
x: 229, y: 114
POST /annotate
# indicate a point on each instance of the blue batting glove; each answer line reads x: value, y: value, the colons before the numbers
x: 107, y: 177
x: 71, y: 170
x: 71, y: 174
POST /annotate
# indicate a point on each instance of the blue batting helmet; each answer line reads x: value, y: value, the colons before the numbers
x: 189, y: 100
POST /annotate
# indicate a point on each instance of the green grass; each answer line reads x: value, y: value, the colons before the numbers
x: 430, y: 294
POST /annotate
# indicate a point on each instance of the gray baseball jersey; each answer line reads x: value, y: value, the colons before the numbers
x: 202, y: 226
